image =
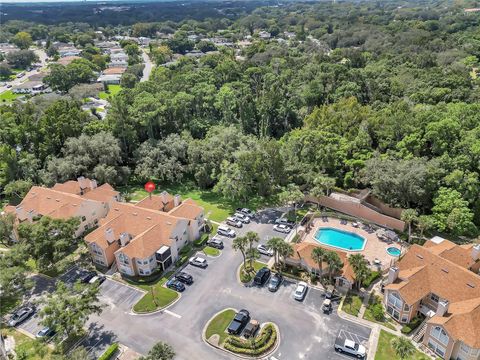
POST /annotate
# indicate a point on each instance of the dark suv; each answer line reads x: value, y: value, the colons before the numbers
x: 184, y: 278
x: 239, y: 321
x: 262, y: 276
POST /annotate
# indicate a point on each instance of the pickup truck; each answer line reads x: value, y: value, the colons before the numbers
x: 238, y: 323
x: 347, y: 346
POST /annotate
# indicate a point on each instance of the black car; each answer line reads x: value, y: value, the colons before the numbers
x: 275, y: 282
x: 175, y: 285
x: 85, y: 279
x: 239, y: 321
x: 215, y: 243
x: 184, y: 278
x: 261, y: 276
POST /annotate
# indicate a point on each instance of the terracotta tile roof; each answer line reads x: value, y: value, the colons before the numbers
x: 71, y: 187
x: 114, y: 71
x: 162, y: 202
x: 103, y: 193
x: 146, y: 243
x: 462, y: 321
x: 303, y: 251
x: 188, y: 210
x: 458, y: 254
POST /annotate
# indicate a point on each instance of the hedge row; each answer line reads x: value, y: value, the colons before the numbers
x: 107, y: 355
x: 262, y: 343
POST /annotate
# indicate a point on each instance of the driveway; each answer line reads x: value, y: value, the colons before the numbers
x: 306, y: 333
x: 147, y: 70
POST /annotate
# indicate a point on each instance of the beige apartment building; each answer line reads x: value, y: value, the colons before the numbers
x: 439, y: 281
x: 81, y: 198
x: 140, y: 238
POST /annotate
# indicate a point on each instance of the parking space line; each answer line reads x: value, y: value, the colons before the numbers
x: 173, y: 314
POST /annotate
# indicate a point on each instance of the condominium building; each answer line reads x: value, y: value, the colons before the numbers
x: 439, y: 282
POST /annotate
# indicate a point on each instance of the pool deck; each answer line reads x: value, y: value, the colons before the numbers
x: 374, y: 248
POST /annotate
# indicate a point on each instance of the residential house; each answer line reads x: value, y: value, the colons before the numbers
x: 67, y: 60
x: 139, y: 239
x: 440, y: 282
x: 265, y: 35
x: 30, y: 87
x: 60, y: 202
x: 302, y: 257
x: 114, y: 71
x: 113, y: 79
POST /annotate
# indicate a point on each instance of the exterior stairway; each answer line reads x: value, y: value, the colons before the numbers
x: 420, y: 332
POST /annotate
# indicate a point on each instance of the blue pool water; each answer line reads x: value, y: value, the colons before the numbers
x: 394, y: 251
x: 340, y: 239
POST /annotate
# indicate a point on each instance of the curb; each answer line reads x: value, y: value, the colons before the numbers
x: 263, y: 356
x: 133, y: 312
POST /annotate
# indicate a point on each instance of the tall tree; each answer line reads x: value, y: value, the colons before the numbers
x: 360, y: 268
x: 160, y: 351
x: 334, y: 263
x: 318, y: 255
x: 23, y: 40
x: 409, y: 216
x: 240, y: 243
x: 252, y: 238
x: 403, y: 347
x: 275, y: 243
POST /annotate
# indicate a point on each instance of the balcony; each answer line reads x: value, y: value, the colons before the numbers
x: 428, y: 311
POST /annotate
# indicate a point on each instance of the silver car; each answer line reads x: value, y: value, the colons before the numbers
x: 21, y: 315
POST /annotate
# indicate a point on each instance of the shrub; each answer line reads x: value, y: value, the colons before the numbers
x: 108, y: 354
x: 201, y: 241
x: 262, y: 343
x: 408, y: 328
x: 374, y: 275
x: 377, y: 312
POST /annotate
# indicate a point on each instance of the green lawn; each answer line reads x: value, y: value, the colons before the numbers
x: 113, y: 90
x: 217, y: 208
x: 27, y: 348
x: 157, y: 295
x: 208, y: 250
x: 352, y: 304
x: 8, y: 96
x: 245, y: 277
x: 386, y: 352
x: 218, y: 325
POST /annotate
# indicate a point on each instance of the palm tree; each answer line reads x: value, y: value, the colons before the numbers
x: 275, y: 243
x: 318, y: 255
x: 252, y: 237
x: 409, y: 216
x: 425, y: 222
x: 285, y: 251
x: 403, y: 347
x: 240, y: 244
x: 360, y: 268
x: 334, y: 262
x: 292, y: 195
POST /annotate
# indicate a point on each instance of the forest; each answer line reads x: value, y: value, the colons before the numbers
x: 384, y: 96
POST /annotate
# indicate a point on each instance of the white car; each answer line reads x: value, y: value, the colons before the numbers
x: 262, y: 249
x: 225, y: 231
x: 242, y: 217
x: 300, y: 291
x: 198, y: 261
x: 282, y: 228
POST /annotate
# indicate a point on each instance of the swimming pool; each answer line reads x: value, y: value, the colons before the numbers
x: 340, y: 239
x: 393, y: 251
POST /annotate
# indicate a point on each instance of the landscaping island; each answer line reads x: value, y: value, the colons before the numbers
x: 264, y: 342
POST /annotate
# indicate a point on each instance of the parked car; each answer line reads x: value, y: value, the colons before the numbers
x: 20, y: 75
x: 97, y: 279
x: 239, y: 321
x: 261, y: 276
x: 198, y: 261
x: 343, y: 345
x: 251, y: 329
x: 330, y: 291
x: 184, y: 278
x: 327, y: 306
x: 300, y: 291
x: 215, y: 243
x: 248, y: 212
x: 234, y: 222
x: 282, y: 228
x: 284, y: 221
x: 9, y: 86
x: 21, y: 315
x: 242, y: 217
x: 225, y: 231
x: 45, y: 332
x: 175, y: 285
x: 262, y: 249
x: 275, y: 282
x: 85, y: 278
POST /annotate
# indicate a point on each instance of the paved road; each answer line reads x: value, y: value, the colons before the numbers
x: 42, y: 59
x: 147, y: 70
x: 306, y: 332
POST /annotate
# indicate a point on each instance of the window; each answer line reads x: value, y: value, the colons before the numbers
x: 145, y: 262
x: 406, y: 307
x: 147, y: 272
x: 84, y: 218
x: 434, y: 297
x: 404, y: 318
x: 394, y: 300
x: 468, y: 350
x: 140, y: 271
x: 85, y: 227
x: 152, y: 259
x: 123, y: 259
x: 139, y: 262
x: 440, y: 350
x: 439, y: 334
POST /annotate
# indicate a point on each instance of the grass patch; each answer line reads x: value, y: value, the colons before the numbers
x: 246, y: 275
x: 375, y: 312
x: 208, y: 250
x: 219, y: 324
x: 386, y: 352
x: 217, y: 208
x: 352, y: 304
x: 157, y: 295
x: 27, y: 348
x: 8, y: 96
x: 112, y: 91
